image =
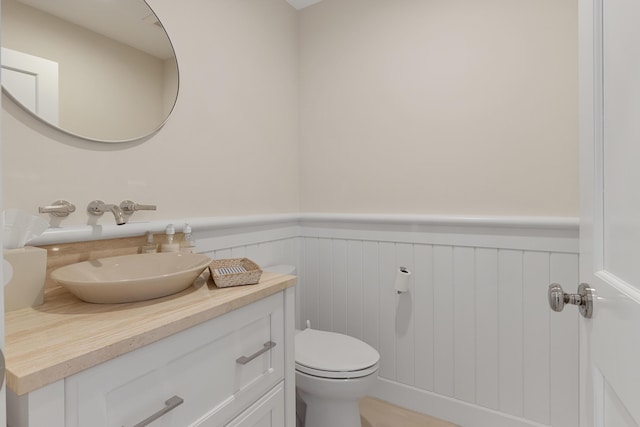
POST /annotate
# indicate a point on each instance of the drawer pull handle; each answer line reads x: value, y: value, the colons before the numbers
x: 246, y: 359
x: 171, y: 404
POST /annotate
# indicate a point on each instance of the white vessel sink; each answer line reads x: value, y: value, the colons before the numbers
x: 131, y: 278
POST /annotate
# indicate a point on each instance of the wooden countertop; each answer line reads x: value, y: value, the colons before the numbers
x: 65, y: 335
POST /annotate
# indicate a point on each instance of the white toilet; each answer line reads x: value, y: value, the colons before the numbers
x: 333, y: 372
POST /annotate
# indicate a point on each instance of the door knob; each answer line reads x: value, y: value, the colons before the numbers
x: 583, y: 299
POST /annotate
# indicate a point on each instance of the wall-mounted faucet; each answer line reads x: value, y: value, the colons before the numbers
x: 98, y: 207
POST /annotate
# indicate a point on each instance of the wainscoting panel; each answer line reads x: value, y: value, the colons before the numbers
x: 487, y: 317
x: 475, y: 328
x: 472, y: 342
x: 266, y: 247
x: 564, y: 342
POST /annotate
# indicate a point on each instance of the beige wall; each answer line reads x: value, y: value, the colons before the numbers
x: 99, y: 79
x: 439, y: 107
x: 229, y: 148
x: 406, y: 106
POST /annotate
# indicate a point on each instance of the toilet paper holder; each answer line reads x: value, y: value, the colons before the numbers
x: 403, y: 278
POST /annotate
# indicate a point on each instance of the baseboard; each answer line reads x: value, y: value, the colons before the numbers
x: 444, y: 407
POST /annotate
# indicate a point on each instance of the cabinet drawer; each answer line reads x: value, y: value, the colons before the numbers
x: 217, y: 368
x: 267, y: 412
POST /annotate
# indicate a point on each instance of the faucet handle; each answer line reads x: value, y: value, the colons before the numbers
x: 59, y: 208
x: 129, y: 207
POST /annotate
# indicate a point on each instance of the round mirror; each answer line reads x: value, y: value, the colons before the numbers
x: 101, y: 70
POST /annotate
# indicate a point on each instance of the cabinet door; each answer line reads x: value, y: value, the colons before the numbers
x: 267, y: 412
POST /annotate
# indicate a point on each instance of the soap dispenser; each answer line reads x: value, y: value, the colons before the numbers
x: 188, y: 245
x: 150, y: 247
x: 169, y: 245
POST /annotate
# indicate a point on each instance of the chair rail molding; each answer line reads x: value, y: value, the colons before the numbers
x: 560, y: 227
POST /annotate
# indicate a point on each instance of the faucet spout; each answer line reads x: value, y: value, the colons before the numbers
x: 118, y: 214
x: 98, y: 207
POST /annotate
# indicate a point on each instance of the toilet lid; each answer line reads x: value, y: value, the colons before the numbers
x: 329, y: 351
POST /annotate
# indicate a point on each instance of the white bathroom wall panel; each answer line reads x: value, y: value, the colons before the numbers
x: 424, y: 318
x: 265, y: 247
x: 473, y: 341
x: 464, y: 349
x: 388, y: 335
x: 325, y: 297
x: 536, y: 327
x: 404, y: 319
x: 443, y: 316
x: 486, y: 321
x: 309, y: 269
x: 355, y: 283
x: 510, y: 332
x: 370, y: 296
x: 339, y: 295
x: 563, y: 342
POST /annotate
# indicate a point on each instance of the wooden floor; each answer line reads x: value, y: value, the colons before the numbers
x: 378, y: 413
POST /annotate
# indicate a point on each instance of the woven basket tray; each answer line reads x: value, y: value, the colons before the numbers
x: 224, y: 279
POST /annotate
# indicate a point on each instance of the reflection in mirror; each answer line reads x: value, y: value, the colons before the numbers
x: 101, y: 70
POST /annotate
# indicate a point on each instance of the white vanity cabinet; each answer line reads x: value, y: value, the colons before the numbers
x: 233, y: 370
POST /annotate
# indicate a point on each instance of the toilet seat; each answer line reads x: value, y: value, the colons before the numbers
x: 337, y: 375
x: 332, y: 355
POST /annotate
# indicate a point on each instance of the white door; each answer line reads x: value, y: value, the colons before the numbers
x: 610, y: 211
x: 32, y: 81
x: 3, y: 280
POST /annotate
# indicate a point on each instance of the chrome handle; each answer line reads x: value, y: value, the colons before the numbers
x: 170, y: 405
x: 129, y: 207
x: 583, y: 299
x: 246, y: 359
x: 59, y: 208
